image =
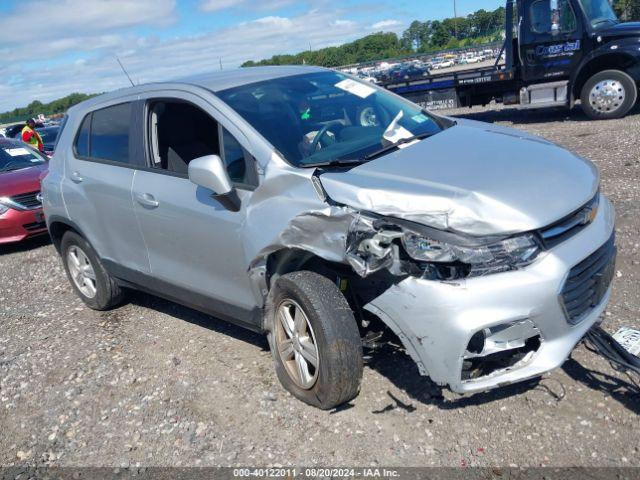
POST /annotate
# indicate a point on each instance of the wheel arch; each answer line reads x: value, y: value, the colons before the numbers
x: 58, y: 226
x: 622, y: 61
x: 289, y: 260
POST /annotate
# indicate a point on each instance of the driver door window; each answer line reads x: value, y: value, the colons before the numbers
x: 541, y: 17
x: 181, y: 132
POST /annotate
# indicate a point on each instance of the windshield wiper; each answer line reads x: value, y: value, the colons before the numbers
x: 396, y: 145
x: 334, y: 163
x: 605, y: 20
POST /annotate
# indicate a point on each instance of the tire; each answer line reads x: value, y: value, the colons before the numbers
x: 108, y: 293
x: 330, y: 326
x: 623, y: 94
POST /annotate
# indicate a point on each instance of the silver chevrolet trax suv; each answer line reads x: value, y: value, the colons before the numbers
x: 330, y: 214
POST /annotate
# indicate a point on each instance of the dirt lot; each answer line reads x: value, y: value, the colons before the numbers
x: 153, y: 383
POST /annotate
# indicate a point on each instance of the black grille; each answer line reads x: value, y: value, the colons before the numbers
x: 588, y: 282
x: 27, y: 200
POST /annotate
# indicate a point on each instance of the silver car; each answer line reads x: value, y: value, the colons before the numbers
x: 326, y: 212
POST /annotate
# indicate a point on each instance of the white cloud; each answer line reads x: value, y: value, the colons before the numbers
x: 386, y: 25
x: 271, y: 22
x: 35, y: 21
x: 343, y: 23
x: 50, y: 49
x: 264, y: 5
x: 215, y: 5
x: 151, y: 59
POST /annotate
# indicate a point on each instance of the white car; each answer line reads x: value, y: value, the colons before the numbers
x: 443, y: 64
x: 469, y: 59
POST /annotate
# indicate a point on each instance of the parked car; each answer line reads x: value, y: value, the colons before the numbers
x: 487, y: 251
x: 442, y: 63
x: 407, y: 72
x: 469, y: 59
x: 49, y: 135
x: 21, y: 169
x: 14, y: 131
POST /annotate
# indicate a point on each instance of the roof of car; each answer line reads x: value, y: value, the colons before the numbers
x: 225, y: 79
x: 214, y: 81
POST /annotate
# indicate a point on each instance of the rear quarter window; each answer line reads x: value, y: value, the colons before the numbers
x: 82, y: 139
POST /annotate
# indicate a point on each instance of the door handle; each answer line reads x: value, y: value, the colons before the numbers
x: 147, y: 200
x: 76, y: 177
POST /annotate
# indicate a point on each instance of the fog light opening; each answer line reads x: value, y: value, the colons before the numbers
x: 476, y: 344
x: 478, y: 367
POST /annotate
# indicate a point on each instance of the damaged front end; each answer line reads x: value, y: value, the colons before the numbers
x: 407, y: 248
x: 473, y: 312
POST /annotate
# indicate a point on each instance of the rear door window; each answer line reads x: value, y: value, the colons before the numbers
x: 110, y: 133
x: 104, y: 134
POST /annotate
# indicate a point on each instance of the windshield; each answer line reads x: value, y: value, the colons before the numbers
x: 15, y: 157
x: 325, y: 117
x: 599, y: 12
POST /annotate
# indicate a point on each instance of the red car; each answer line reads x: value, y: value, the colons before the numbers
x: 21, y: 169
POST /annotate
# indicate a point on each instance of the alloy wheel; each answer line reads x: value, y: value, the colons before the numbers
x: 82, y: 273
x: 296, y: 344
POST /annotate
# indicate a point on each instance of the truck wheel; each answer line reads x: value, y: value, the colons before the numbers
x: 314, y: 340
x: 88, y: 277
x: 608, y: 94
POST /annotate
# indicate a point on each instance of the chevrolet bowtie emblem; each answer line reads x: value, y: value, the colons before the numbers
x: 590, y: 214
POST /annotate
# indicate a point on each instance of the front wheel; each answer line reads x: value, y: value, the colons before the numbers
x: 314, y: 340
x: 608, y: 94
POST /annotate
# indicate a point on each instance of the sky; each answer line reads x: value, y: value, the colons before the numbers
x: 49, y: 48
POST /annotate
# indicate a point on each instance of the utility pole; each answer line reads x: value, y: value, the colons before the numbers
x: 220, y: 60
x: 455, y: 18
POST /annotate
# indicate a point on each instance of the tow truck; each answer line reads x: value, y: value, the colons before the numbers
x: 555, y: 52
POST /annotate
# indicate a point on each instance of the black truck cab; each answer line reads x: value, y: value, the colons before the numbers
x: 556, y: 52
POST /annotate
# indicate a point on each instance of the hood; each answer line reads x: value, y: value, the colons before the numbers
x: 626, y: 29
x: 473, y: 178
x: 20, y: 181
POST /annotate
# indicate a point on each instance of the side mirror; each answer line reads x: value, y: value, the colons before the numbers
x: 209, y: 172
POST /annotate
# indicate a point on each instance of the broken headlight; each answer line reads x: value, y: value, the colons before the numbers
x: 472, y: 260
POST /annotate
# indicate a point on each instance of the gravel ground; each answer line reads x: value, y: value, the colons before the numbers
x: 156, y: 384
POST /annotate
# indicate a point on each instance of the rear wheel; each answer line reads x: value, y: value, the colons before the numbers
x: 88, y: 277
x: 314, y: 340
x: 608, y: 94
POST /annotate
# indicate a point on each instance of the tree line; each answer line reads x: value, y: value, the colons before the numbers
x: 36, y: 107
x: 477, y: 28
